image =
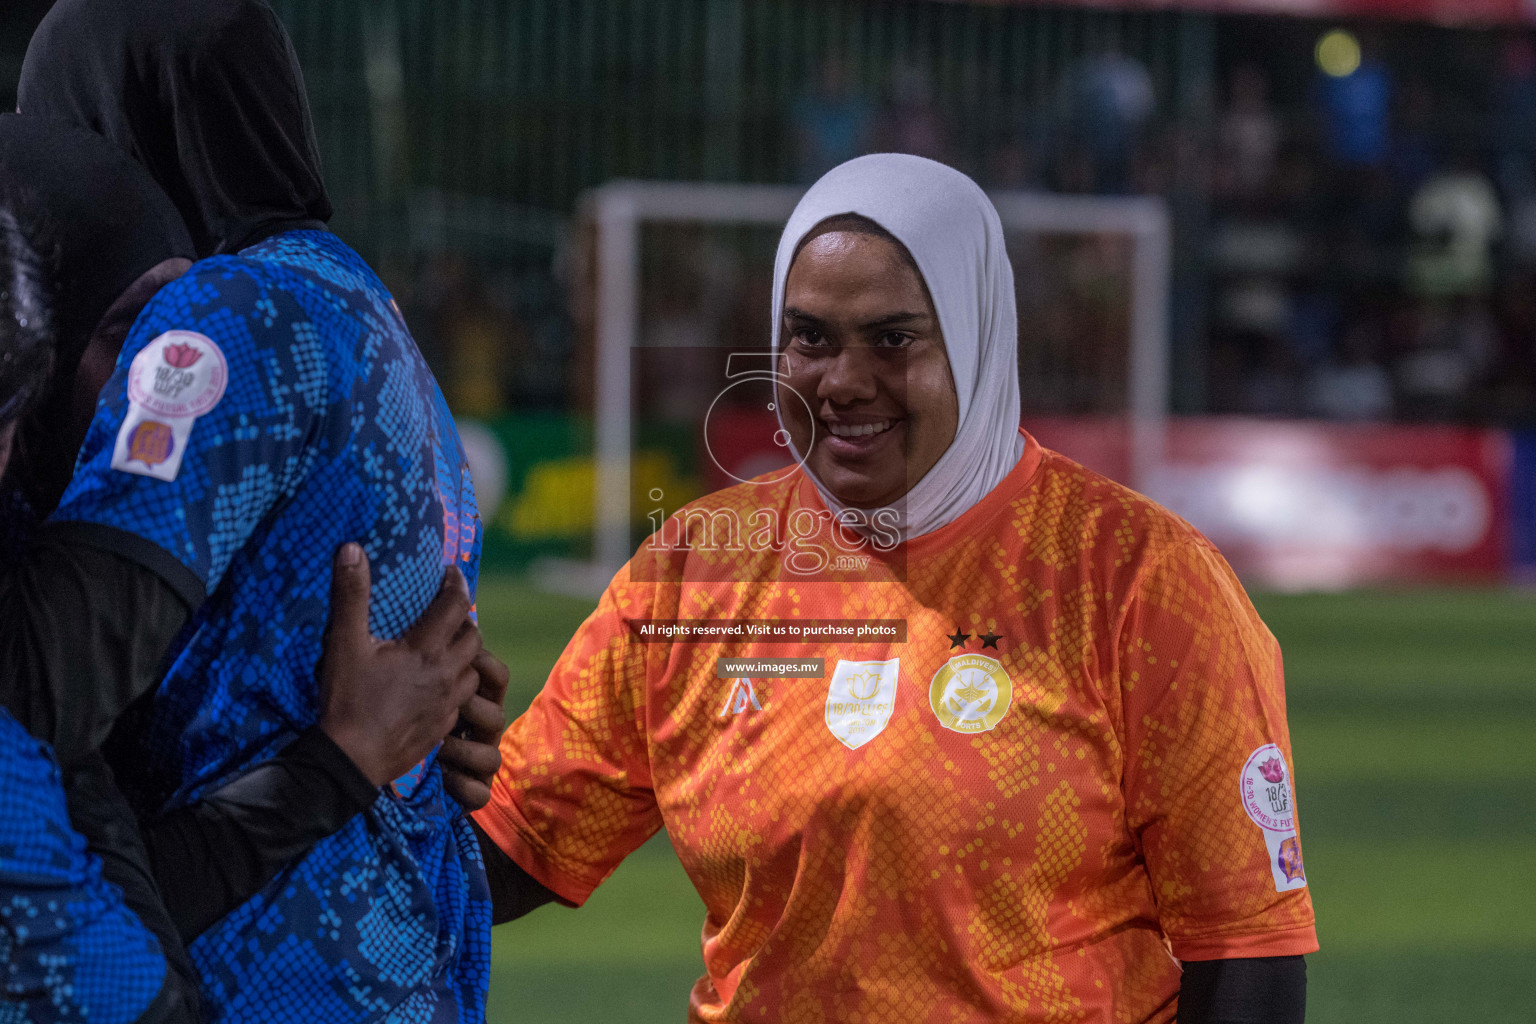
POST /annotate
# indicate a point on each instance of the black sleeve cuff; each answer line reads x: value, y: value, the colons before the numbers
x: 135, y: 549
x: 1257, y: 990
x: 316, y: 748
x: 514, y: 892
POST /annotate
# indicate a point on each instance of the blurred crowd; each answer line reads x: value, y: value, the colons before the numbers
x: 1355, y: 216
x: 497, y: 337
x: 1370, y: 243
x: 1373, y: 249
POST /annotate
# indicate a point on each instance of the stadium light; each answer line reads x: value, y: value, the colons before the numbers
x: 1338, y: 53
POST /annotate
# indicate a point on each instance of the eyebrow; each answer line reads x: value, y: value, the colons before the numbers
x: 891, y: 320
x: 896, y: 320
x: 791, y: 313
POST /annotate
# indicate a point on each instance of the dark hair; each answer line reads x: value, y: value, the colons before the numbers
x: 26, y: 317
x: 857, y: 224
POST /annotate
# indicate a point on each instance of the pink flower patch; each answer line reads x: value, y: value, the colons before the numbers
x: 1272, y: 770
x: 181, y: 356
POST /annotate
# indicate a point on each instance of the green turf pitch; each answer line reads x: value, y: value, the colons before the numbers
x: 1413, y: 717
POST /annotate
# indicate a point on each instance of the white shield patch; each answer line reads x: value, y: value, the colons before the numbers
x: 860, y: 700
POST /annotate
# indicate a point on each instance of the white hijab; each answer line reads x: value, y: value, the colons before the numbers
x: 954, y: 234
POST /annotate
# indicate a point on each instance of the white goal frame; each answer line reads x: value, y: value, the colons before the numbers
x: 619, y: 208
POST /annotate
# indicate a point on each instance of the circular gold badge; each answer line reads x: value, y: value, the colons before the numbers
x: 971, y: 693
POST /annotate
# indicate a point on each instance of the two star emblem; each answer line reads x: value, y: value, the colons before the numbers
x: 958, y: 639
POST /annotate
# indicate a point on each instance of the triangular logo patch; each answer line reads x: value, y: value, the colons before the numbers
x: 741, y: 697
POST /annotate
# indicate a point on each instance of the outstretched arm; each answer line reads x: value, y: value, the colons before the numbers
x: 213, y: 855
x: 384, y: 706
x: 551, y: 830
x: 87, y: 635
x: 86, y: 632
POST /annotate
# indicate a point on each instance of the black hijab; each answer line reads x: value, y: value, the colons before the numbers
x: 101, y: 219
x: 97, y: 223
x: 26, y: 317
x: 206, y: 94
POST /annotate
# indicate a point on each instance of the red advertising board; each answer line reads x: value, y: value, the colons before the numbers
x: 1445, y: 12
x: 1293, y: 505
x: 1307, y: 505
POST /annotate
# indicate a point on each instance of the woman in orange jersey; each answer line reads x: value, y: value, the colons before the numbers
x: 1030, y: 762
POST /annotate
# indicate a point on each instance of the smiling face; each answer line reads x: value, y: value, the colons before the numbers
x: 862, y: 345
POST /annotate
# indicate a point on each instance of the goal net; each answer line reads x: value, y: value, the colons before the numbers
x: 673, y: 285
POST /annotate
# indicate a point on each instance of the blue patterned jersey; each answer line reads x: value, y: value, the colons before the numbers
x: 69, y: 949
x: 267, y: 408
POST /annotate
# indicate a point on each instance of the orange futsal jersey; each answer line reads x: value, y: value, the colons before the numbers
x: 1069, y: 769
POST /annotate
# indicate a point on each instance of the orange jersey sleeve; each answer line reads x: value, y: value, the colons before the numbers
x: 580, y: 750
x: 1207, y: 763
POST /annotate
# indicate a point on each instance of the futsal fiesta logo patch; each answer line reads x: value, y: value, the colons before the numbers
x: 175, y: 379
x: 1265, y: 789
x: 151, y: 443
x: 180, y: 374
x: 971, y: 693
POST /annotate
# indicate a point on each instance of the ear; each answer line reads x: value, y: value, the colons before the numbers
x: 100, y: 354
x: 120, y: 316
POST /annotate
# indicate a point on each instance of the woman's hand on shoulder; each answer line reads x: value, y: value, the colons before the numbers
x: 471, y: 756
x: 387, y: 703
